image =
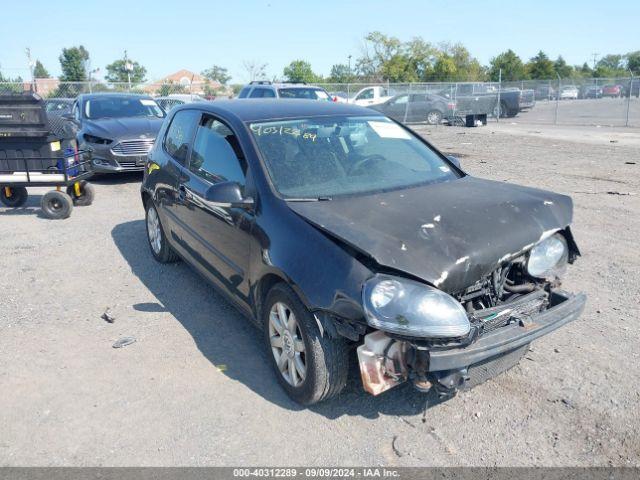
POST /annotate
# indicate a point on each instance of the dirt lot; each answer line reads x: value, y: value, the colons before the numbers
x: 195, y: 389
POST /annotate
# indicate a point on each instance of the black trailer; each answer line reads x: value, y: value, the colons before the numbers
x: 39, y: 152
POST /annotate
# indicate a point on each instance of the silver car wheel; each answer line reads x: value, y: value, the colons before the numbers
x: 153, y: 230
x: 287, y: 345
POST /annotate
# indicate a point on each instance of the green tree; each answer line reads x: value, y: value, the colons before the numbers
x: 340, y: 74
x: 540, y: 67
x: 300, y: 71
x: 585, y: 70
x: 444, y: 69
x: 561, y: 68
x: 39, y: 71
x: 117, y: 71
x: 72, y: 64
x: 511, y: 65
x: 217, y: 74
x: 633, y: 62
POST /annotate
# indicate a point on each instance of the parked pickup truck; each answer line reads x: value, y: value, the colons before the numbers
x: 479, y: 99
x: 370, y: 96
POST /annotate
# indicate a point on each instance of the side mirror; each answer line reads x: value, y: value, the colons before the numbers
x: 455, y: 161
x: 227, y: 194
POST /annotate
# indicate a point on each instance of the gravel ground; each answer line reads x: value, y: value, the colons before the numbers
x: 195, y: 388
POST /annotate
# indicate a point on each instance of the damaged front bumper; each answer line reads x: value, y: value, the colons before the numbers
x: 448, y: 369
x: 564, y: 308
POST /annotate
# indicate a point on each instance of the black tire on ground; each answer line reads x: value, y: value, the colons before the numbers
x: 434, y: 117
x: 326, y: 358
x: 87, y: 194
x: 56, y: 205
x: 17, y: 198
x: 165, y: 253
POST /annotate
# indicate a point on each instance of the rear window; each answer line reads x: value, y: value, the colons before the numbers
x: 304, y: 93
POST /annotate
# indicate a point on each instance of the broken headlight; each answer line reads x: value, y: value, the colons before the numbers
x: 405, y: 307
x: 549, y: 257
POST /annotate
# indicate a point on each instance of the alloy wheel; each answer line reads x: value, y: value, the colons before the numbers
x: 287, y: 345
x: 153, y: 230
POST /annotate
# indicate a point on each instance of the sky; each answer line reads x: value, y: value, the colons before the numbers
x: 166, y: 36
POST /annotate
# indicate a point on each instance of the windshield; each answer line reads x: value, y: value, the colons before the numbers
x: 312, y: 158
x: 304, y: 93
x: 117, y: 107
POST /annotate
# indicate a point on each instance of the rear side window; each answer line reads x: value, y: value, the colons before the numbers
x: 180, y: 133
x: 262, y: 93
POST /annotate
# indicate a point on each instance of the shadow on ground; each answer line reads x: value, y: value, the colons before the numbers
x: 116, y: 178
x: 225, y: 337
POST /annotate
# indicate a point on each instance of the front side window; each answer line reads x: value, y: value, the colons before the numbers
x: 216, y: 154
x: 330, y: 156
x: 118, y: 107
x: 366, y: 95
x: 180, y: 133
x: 400, y: 100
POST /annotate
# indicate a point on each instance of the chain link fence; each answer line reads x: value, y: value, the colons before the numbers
x: 592, y: 101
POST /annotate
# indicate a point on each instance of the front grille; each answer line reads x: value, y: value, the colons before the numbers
x: 133, y: 147
x: 130, y: 164
x: 520, y: 309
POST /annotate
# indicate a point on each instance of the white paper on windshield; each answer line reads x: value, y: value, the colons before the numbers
x: 388, y: 130
x: 147, y: 103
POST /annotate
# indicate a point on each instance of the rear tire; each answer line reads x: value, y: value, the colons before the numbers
x: 87, y: 194
x: 302, y: 348
x: 434, y: 117
x: 17, y: 198
x: 56, y: 205
x: 160, y: 248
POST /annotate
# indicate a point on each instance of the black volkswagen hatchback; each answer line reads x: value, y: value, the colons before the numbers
x: 337, y: 229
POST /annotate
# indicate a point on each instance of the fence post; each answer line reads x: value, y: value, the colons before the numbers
x: 629, y: 97
x: 498, y: 104
x: 406, y: 105
x: 555, y: 119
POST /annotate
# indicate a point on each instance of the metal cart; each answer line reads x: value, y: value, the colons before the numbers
x: 35, y: 152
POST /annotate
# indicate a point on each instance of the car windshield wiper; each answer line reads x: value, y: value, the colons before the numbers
x: 308, y: 199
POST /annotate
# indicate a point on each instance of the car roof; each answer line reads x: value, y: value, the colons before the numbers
x: 90, y: 96
x: 270, y: 109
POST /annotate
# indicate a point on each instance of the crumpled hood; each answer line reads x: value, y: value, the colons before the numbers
x: 449, y: 234
x: 123, y: 128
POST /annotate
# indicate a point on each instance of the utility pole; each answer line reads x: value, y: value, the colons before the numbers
x: 595, y: 57
x: 128, y: 66
x: 31, y: 65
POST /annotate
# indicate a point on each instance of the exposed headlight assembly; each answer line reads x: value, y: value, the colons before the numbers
x: 405, y: 307
x: 549, y: 257
x: 97, y: 140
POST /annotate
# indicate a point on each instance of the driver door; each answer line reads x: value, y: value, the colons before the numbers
x: 219, y: 237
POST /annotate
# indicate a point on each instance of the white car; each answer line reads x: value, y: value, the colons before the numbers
x: 569, y: 92
x: 370, y: 96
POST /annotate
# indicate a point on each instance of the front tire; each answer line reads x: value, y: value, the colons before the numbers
x: 160, y: 248
x: 310, y: 366
x: 56, y: 205
x: 17, y: 196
